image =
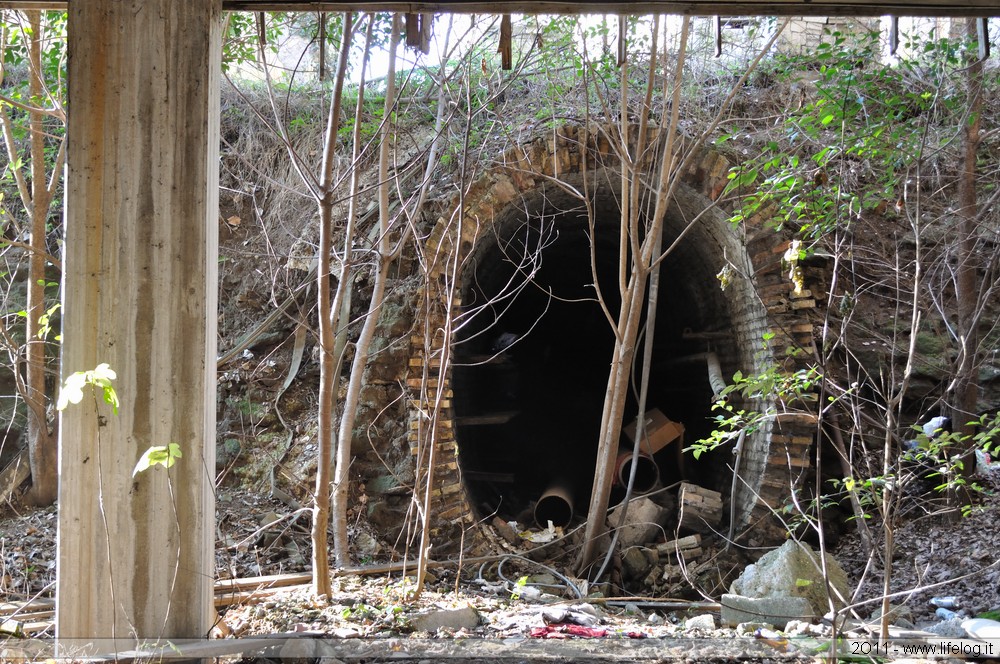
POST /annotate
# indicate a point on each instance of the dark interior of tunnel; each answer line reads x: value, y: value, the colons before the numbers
x: 533, y: 351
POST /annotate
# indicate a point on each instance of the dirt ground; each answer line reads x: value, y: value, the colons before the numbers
x: 367, y: 616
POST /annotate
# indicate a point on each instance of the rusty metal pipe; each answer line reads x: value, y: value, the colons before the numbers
x: 555, y: 505
x: 715, y: 377
x: 647, y: 473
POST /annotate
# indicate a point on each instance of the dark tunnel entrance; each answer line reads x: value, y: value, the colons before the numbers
x: 534, y: 347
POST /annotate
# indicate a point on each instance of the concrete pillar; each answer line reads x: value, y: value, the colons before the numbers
x: 135, y: 556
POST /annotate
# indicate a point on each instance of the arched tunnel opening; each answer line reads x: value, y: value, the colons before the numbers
x: 533, y: 350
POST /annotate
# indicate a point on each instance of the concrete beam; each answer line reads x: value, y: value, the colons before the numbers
x: 135, y: 555
x: 679, y: 7
x: 955, y: 8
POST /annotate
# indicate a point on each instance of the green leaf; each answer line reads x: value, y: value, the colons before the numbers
x: 72, y: 390
x: 802, y: 583
x: 163, y: 455
x: 99, y: 377
x: 104, y: 371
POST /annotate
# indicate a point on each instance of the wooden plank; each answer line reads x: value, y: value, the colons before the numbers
x: 43, y: 604
x: 256, y: 582
x: 35, y: 627
x: 489, y: 418
x: 251, y: 596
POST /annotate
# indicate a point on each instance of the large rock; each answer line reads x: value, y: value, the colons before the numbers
x: 793, y: 570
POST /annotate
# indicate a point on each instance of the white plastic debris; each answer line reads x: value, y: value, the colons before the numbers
x: 543, y: 536
x: 949, y: 602
x: 985, y: 465
x: 982, y: 628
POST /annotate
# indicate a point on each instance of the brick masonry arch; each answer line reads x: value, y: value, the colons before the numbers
x: 533, y: 179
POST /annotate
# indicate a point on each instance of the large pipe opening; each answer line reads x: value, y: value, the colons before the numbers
x: 534, y: 346
x: 647, y: 471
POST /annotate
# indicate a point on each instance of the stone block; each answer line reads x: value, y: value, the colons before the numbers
x: 777, y: 611
x: 643, y: 522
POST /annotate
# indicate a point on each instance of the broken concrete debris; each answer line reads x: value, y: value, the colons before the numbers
x: 637, y: 562
x: 982, y: 628
x: 794, y: 570
x: 505, y: 530
x: 777, y: 610
x: 660, y: 566
x: 644, y: 521
x: 466, y: 617
x: 700, y: 508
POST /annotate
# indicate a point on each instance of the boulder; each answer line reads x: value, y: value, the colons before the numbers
x: 793, y: 570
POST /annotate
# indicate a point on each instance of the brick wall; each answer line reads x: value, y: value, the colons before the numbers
x: 803, y: 34
x: 768, y: 302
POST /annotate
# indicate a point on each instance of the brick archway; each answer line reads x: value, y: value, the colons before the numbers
x: 530, y: 182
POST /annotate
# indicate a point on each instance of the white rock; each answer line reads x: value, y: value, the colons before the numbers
x: 706, y: 621
x: 792, y: 570
x: 454, y: 619
x: 948, y: 628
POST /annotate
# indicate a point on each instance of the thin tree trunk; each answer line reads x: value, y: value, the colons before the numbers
x: 964, y: 408
x: 643, y: 258
x: 327, y: 388
x: 341, y: 312
x: 41, y: 442
x: 384, y: 261
x: 847, y: 470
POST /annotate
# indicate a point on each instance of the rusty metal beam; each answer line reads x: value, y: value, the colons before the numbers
x: 956, y: 8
